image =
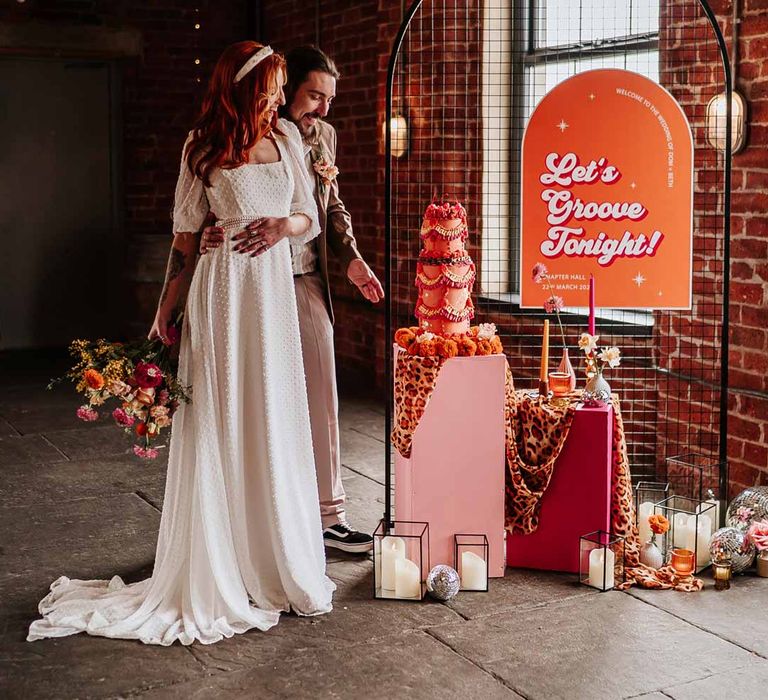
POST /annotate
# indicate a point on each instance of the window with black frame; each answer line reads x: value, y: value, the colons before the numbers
x: 552, y: 41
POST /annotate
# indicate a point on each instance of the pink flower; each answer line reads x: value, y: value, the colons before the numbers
x: 148, y: 375
x: 553, y: 304
x: 539, y: 272
x: 122, y: 418
x: 144, y: 452
x: 146, y: 397
x: 87, y: 414
x: 758, y: 533
x: 163, y: 397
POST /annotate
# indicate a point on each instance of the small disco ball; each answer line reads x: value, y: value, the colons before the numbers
x: 732, y: 544
x: 443, y: 582
x: 750, y: 505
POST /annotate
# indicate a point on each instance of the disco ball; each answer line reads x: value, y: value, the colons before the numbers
x: 750, y: 505
x: 732, y: 544
x: 443, y: 582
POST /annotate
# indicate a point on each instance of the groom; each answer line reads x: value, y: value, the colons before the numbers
x: 310, y: 89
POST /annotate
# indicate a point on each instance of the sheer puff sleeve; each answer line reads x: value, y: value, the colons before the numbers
x: 190, y: 204
x: 302, y: 201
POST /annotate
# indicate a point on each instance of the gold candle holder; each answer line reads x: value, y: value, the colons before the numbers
x: 722, y: 571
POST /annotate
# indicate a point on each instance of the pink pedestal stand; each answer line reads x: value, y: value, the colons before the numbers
x: 454, y: 479
x: 578, y: 499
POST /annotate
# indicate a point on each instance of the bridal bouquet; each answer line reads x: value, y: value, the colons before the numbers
x: 139, y: 376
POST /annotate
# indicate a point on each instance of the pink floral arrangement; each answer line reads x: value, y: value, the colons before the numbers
x: 758, y: 533
x: 139, y: 376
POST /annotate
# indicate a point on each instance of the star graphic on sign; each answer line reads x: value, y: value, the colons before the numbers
x: 592, y: 96
x: 633, y: 185
x: 660, y: 293
x: 562, y: 125
x: 638, y: 279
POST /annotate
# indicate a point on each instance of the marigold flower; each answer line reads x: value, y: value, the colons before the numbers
x: 659, y: 524
x: 404, y: 337
x: 467, y: 346
x: 539, y: 272
x: 496, y: 346
x: 484, y: 347
x: 448, y: 348
x: 93, y: 379
x: 427, y: 348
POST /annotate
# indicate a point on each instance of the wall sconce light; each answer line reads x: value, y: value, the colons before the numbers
x: 716, y: 122
x: 398, y: 126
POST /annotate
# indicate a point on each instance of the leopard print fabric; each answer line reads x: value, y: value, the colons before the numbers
x: 415, y: 380
x: 535, y: 434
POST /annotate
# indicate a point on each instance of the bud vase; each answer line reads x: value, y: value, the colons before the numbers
x: 566, y: 367
x: 597, y: 391
x: 651, y: 555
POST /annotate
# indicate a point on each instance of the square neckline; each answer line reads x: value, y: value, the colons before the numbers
x: 281, y: 155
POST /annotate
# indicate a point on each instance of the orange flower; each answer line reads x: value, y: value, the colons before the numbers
x: 659, y: 524
x: 467, y: 346
x: 404, y: 337
x: 484, y: 347
x: 496, y: 345
x: 413, y: 348
x: 448, y: 348
x: 93, y: 379
x: 428, y: 348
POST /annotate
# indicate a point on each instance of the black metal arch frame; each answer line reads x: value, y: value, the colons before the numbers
x: 724, y: 340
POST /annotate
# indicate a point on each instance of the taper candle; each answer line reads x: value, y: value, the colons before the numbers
x: 591, y: 304
x: 544, y: 353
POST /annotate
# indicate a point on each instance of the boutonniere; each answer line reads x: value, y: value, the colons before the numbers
x: 324, y: 168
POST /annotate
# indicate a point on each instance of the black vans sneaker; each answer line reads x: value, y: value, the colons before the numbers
x: 342, y: 536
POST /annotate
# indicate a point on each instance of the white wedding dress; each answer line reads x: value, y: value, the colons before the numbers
x: 240, y: 537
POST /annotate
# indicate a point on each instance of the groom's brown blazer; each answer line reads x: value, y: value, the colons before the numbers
x: 335, y: 221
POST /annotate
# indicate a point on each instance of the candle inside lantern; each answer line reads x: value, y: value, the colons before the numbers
x: 722, y: 572
x: 392, y: 551
x: 697, y: 537
x: 601, y: 563
x: 407, y: 579
x: 544, y: 353
x: 713, y: 512
x: 643, y: 526
x: 680, y: 525
x: 474, y: 574
x: 591, y: 304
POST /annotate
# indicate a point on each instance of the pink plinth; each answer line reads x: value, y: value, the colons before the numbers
x: 454, y: 479
x: 578, y: 499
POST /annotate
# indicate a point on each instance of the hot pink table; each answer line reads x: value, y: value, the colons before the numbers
x: 578, y: 499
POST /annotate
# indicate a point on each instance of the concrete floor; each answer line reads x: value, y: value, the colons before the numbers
x: 74, y: 503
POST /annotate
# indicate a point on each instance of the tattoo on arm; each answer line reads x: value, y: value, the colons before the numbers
x: 176, y: 265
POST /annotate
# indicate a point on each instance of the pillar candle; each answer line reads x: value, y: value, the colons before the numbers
x: 643, y: 527
x: 591, y: 304
x: 597, y: 557
x: 544, y: 372
x: 713, y: 513
x: 697, y: 537
x: 407, y: 579
x: 392, y: 550
x: 474, y: 576
x: 680, y: 525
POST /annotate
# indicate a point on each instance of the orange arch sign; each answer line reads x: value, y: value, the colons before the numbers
x: 607, y: 189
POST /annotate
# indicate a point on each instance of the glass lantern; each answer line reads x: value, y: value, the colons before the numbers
x: 601, y: 560
x: 470, y: 559
x: 400, y: 560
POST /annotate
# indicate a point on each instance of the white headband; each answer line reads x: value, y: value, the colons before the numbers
x: 253, y: 61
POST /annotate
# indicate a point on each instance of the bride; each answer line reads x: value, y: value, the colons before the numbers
x: 240, y: 537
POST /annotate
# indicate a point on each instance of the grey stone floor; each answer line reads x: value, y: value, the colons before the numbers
x: 75, y: 503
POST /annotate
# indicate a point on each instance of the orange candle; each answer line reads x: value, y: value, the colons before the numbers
x: 544, y: 353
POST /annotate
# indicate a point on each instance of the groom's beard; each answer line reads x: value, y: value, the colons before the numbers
x: 308, y: 122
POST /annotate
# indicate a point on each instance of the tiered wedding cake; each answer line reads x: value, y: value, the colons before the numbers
x: 445, y: 273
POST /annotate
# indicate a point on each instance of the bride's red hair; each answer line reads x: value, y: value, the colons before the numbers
x: 233, y: 117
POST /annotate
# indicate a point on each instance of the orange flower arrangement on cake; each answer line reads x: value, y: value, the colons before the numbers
x: 479, y: 340
x: 659, y: 524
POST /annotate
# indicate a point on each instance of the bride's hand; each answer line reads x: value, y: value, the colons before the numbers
x: 160, y: 326
x: 260, y: 235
